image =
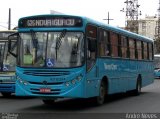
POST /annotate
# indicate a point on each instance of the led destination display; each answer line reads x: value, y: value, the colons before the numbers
x: 50, y: 22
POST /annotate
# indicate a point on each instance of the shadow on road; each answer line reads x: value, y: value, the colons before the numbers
x: 74, y: 105
x: 13, y: 97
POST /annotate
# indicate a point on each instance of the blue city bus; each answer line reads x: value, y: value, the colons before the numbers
x: 7, y: 65
x: 64, y: 56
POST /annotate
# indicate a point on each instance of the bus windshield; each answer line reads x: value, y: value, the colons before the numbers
x: 7, y: 61
x: 52, y: 49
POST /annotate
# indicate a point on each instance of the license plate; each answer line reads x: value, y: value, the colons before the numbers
x: 45, y: 90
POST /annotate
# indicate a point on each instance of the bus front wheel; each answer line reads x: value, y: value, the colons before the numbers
x: 48, y: 102
x: 100, y: 99
x: 6, y: 94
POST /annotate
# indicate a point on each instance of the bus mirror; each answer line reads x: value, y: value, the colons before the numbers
x: 91, y: 45
x: 12, y: 44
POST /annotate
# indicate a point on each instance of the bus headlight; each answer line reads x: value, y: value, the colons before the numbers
x: 22, y: 81
x: 74, y: 81
x: 79, y: 78
x: 67, y: 84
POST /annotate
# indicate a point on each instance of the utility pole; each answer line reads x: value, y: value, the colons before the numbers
x: 9, y: 19
x: 108, y: 19
x: 131, y: 15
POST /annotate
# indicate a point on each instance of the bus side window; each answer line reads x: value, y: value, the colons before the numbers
x: 114, y: 44
x: 142, y: 49
x: 132, y: 48
x: 145, y: 50
x: 150, y: 50
x: 139, y: 50
x: 103, y: 44
x: 124, y: 46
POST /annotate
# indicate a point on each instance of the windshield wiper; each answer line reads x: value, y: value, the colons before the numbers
x: 59, y: 40
x: 34, y: 40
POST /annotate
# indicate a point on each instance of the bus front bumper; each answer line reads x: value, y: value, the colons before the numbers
x: 58, y: 91
x: 7, y: 87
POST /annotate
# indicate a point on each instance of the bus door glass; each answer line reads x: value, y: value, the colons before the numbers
x: 91, y: 46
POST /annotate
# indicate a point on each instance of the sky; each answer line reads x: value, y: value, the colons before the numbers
x: 95, y: 9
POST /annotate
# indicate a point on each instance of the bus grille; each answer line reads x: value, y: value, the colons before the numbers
x: 48, y: 83
x: 45, y: 73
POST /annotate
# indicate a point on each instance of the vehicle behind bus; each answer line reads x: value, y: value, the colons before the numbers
x: 63, y: 56
x: 157, y: 66
x: 7, y: 65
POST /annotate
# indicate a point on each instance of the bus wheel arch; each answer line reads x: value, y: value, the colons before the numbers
x: 137, y: 91
x: 103, y: 91
x: 139, y: 84
x: 105, y: 80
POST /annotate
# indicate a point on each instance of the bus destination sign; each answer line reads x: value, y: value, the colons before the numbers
x: 50, y: 22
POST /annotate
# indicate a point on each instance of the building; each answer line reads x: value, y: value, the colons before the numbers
x: 147, y: 26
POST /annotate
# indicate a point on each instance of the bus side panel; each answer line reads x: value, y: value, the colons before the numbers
x: 148, y: 73
x: 92, y: 81
x: 110, y: 68
x: 122, y: 74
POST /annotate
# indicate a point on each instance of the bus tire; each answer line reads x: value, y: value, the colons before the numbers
x: 100, y: 99
x: 48, y: 102
x: 6, y: 94
x: 137, y: 91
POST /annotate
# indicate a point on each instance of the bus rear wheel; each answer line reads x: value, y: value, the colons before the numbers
x: 137, y: 91
x: 6, y: 94
x: 100, y: 99
x: 48, y: 102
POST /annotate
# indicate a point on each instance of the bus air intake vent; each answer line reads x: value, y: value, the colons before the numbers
x: 45, y: 73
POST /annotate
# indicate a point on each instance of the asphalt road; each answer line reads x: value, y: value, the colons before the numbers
x: 147, y: 102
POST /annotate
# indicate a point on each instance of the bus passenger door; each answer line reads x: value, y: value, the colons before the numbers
x: 92, y: 67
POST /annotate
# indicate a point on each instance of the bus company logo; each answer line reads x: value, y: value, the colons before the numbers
x: 45, y: 82
x: 110, y: 66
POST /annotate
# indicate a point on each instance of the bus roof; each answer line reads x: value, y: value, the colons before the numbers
x: 2, y: 31
x: 120, y: 30
x: 99, y: 24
